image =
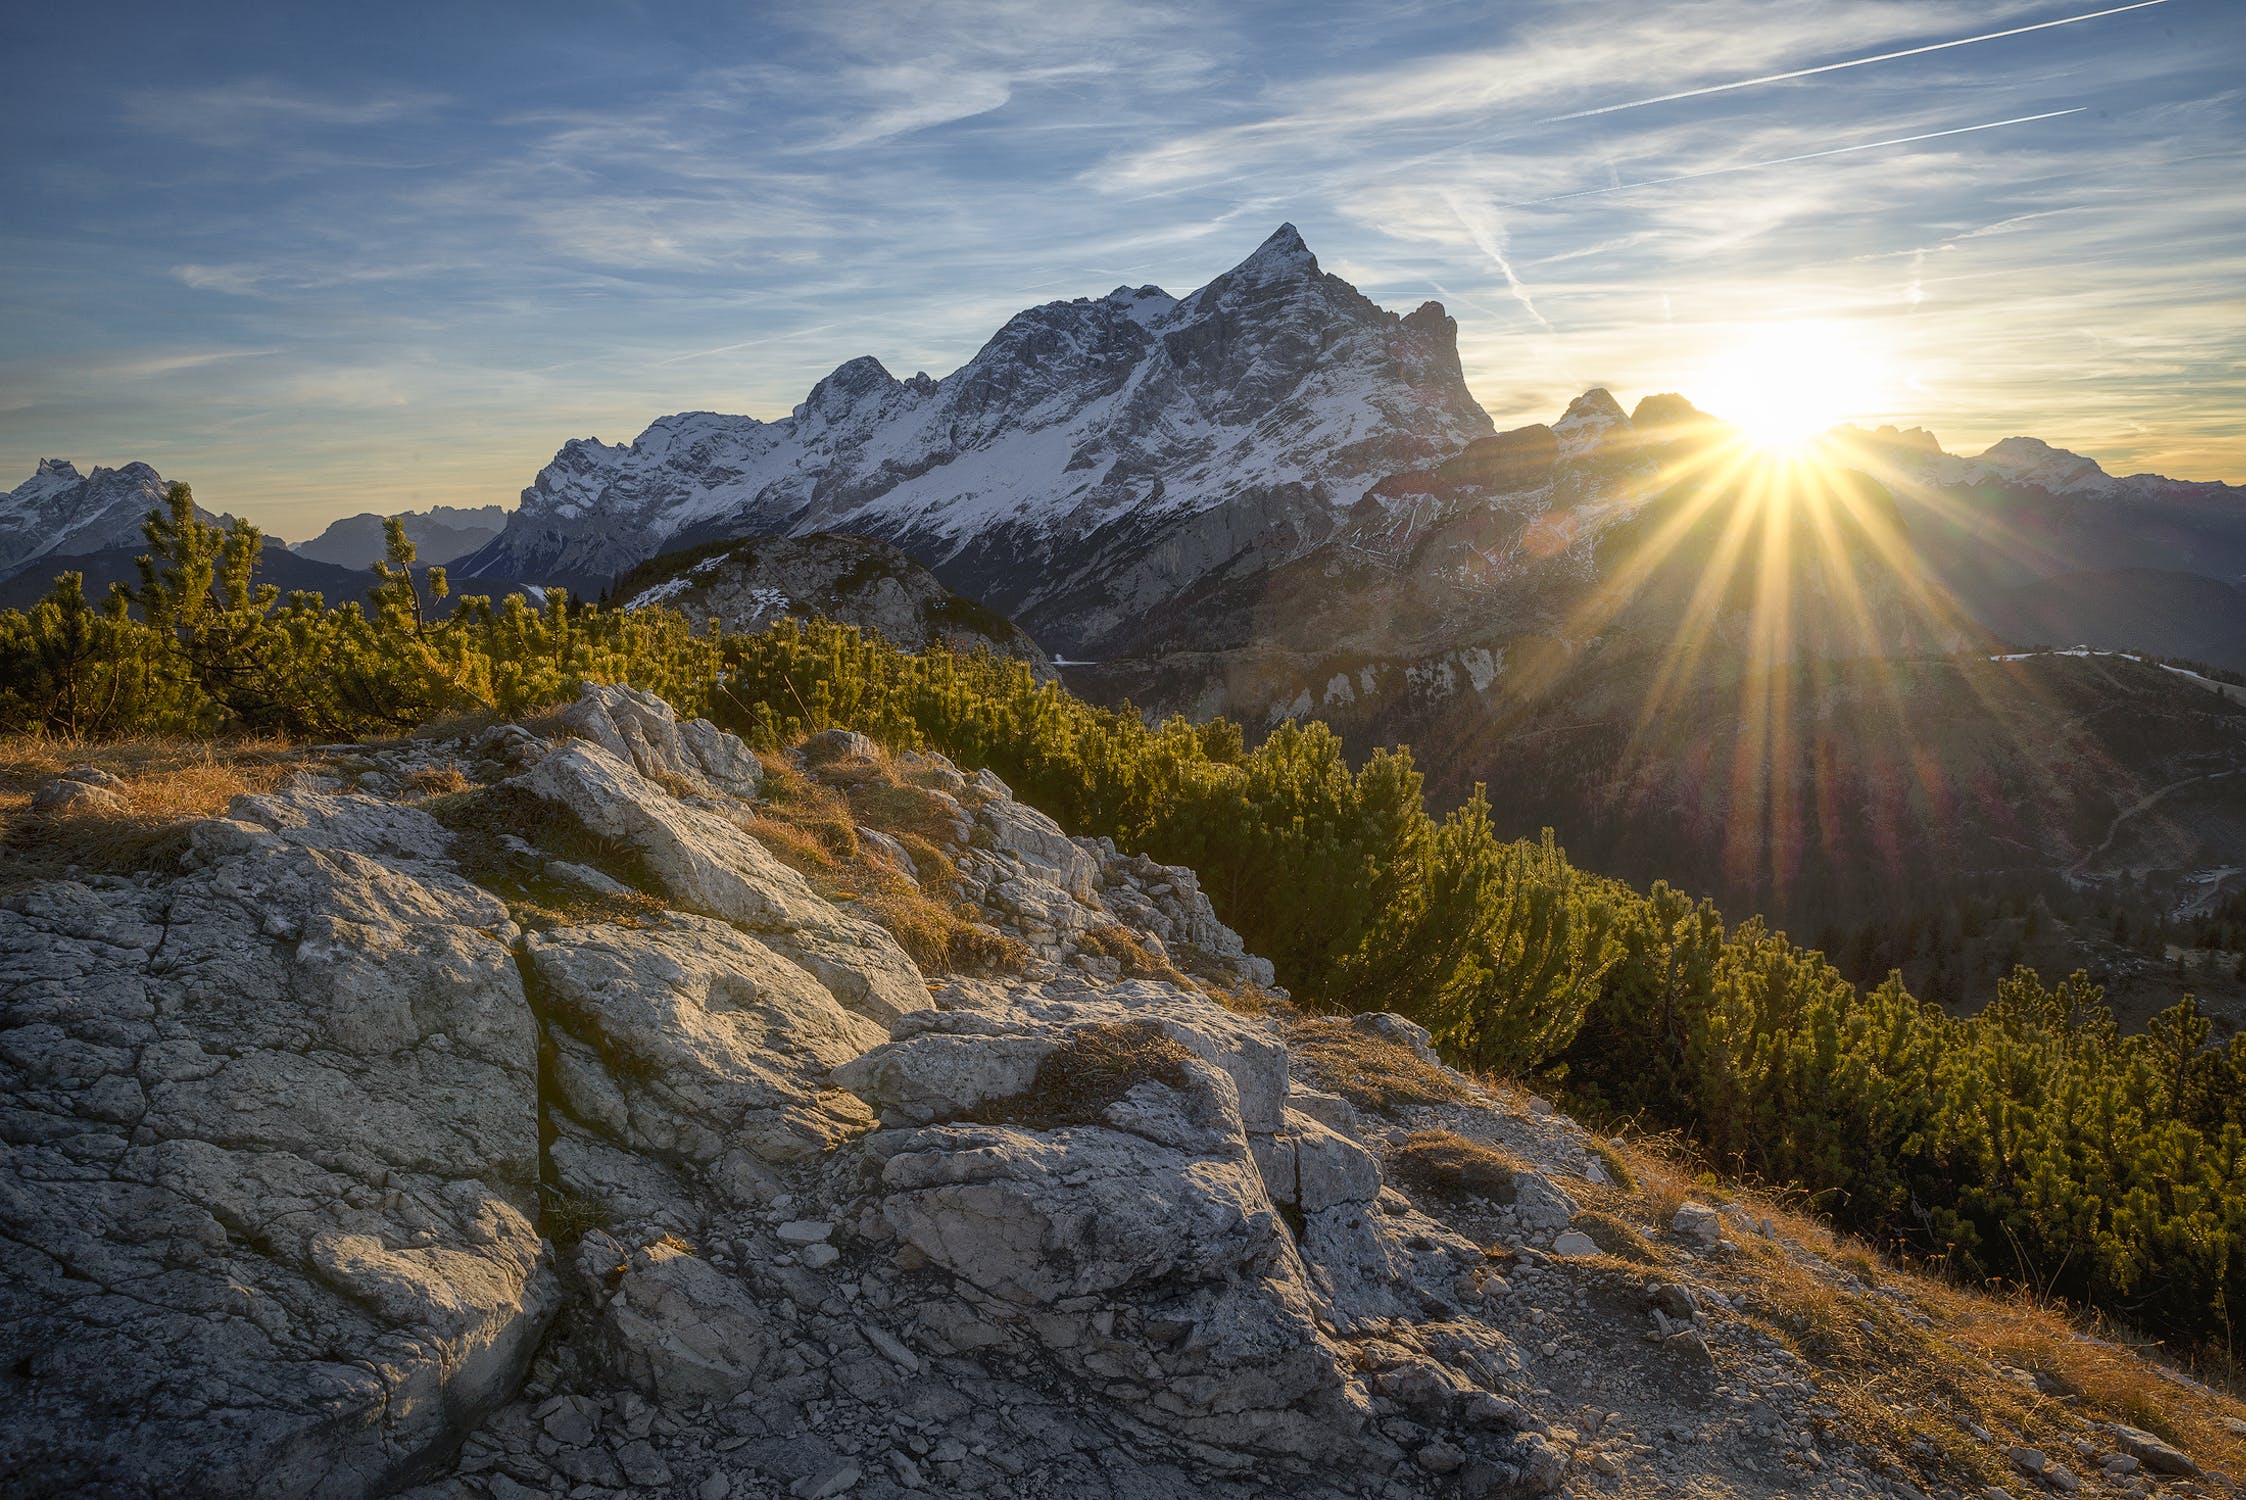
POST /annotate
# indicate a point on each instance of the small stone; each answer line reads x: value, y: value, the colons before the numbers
x: 804, y: 1231
x: 2029, y: 1460
x: 716, y: 1487
x: 818, y: 1257
x: 1440, y: 1457
x: 2154, y: 1452
x: 1574, y: 1242
x: 1698, y: 1223
x: 816, y: 1487
x: 568, y: 1426
x: 642, y: 1464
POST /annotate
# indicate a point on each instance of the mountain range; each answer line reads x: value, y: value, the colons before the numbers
x: 439, y: 535
x: 1093, y: 459
x: 1272, y: 498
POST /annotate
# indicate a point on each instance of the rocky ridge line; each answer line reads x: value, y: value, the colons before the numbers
x: 332, y: 1173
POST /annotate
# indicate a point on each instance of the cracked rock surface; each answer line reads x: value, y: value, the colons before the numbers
x: 332, y: 1163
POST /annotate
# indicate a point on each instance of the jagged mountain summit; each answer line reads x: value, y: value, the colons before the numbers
x: 439, y: 534
x: 1095, y: 457
x: 59, y: 512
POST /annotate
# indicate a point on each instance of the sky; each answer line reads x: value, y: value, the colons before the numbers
x: 319, y: 260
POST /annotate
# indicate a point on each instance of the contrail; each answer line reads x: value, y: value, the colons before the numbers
x: 1488, y: 231
x: 1854, y: 62
x: 1780, y: 161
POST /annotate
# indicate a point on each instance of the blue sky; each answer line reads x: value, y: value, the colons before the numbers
x: 322, y: 259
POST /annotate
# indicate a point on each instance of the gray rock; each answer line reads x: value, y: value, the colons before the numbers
x: 2154, y: 1452
x: 1541, y: 1205
x: 679, y: 1329
x: 708, y: 865
x: 1698, y: 1223
x: 69, y: 794
x: 273, y: 1132
x: 639, y: 728
x: 1332, y: 1170
x: 694, y: 1042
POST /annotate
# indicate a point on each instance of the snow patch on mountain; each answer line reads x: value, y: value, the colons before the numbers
x: 1275, y: 388
x: 59, y: 512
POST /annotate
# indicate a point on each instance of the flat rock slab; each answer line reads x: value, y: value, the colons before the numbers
x: 266, y: 1205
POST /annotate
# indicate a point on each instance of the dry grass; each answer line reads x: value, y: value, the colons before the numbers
x: 1371, y: 1072
x: 168, y: 784
x: 437, y: 781
x: 1094, y: 1068
x: 811, y: 825
x: 1617, y: 1238
x: 481, y: 820
x: 1137, y: 961
x: 1445, y: 1165
x: 1913, y: 1394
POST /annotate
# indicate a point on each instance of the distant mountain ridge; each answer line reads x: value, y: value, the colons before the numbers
x: 1093, y: 459
x: 439, y: 534
x: 59, y: 512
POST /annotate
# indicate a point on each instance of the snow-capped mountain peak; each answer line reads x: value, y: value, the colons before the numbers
x: 2033, y: 461
x: 1590, y: 420
x: 1093, y: 457
x: 58, y: 512
x: 1281, y: 255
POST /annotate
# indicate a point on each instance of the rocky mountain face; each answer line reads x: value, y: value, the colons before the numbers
x: 745, y: 585
x: 59, y: 512
x: 439, y: 535
x: 552, y: 1135
x: 1093, y: 459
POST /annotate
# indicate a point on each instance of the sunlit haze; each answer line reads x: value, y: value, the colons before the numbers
x: 320, y: 261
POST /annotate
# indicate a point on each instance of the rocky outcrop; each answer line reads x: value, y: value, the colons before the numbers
x: 744, y: 585
x: 331, y: 1172
x: 268, y: 1206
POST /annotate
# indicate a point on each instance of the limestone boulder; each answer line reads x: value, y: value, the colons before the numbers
x: 268, y: 1204
x: 707, y: 864
x: 693, y: 1039
x: 642, y: 730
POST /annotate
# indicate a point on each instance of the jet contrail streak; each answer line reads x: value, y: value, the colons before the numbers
x: 1749, y: 166
x: 1854, y: 62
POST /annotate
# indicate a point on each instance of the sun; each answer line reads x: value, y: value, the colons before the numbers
x: 1785, y: 384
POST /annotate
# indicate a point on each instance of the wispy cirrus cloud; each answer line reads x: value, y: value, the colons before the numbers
x: 459, y: 239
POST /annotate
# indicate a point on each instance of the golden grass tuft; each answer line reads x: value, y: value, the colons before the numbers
x: 1137, y: 961
x: 168, y: 785
x: 1090, y: 1071
x: 437, y: 781
x: 811, y: 822
x: 1447, y: 1165
x: 1371, y: 1072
